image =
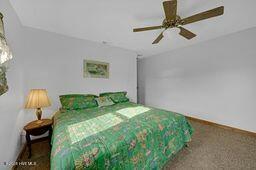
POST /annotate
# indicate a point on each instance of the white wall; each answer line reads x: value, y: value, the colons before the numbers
x: 11, y: 113
x: 55, y: 62
x: 213, y: 80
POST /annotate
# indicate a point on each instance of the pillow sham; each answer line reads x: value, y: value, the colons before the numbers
x: 109, y: 93
x: 77, y: 101
x: 104, y: 101
x: 116, y: 97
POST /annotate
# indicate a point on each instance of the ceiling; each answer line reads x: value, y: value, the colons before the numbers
x: 112, y: 21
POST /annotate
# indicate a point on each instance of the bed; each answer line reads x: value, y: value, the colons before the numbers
x: 122, y: 136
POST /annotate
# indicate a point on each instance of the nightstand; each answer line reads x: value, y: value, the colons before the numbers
x: 36, y: 128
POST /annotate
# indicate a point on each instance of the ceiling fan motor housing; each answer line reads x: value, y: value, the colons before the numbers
x: 173, y: 23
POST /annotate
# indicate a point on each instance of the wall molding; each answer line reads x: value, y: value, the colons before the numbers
x: 222, y: 126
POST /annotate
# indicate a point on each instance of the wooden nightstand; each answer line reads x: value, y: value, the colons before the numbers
x: 36, y: 128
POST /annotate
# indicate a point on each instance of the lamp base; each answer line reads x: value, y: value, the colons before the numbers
x: 39, y: 113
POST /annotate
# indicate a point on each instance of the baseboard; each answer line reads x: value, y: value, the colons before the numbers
x: 222, y: 126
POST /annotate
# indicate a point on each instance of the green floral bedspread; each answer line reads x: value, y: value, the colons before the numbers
x: 122, y: 136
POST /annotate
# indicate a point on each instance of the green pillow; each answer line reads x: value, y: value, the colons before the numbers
x: 116, y: 97
x: 104, y: 101
x: 109, y: 93
x: 77, y: 101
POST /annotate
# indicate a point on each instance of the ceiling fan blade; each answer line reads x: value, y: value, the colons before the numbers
x: 204, y: 15
x: 147, y: 28
x: 170, y: 9
x: 186, y: 33
x: 158, y: 38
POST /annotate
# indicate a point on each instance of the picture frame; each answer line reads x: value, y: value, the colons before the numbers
x: 95, y: 69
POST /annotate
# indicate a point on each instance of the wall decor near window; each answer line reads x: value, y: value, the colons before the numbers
x: 5, y: 55
x: 96, y: 69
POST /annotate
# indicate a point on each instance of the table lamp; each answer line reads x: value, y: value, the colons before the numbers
x: 37, y: 99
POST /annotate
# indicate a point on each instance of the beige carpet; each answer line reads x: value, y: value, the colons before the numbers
x: 211, y: 148
x: 216, y: 148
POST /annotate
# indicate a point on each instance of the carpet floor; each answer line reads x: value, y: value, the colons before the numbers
x: 211, y: 148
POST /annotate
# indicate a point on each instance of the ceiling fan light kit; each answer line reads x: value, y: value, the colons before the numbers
x: 172, y: 20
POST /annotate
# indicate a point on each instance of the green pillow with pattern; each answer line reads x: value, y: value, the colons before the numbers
x: 110, y: 93
x: 104, y: 101
x: 77, y: 101
x: 116, y: 97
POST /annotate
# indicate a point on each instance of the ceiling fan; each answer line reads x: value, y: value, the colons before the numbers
x: 173, y: 20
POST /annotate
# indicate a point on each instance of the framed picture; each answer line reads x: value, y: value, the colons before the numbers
x: 96, y: 69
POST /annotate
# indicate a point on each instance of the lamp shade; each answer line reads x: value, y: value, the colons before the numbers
x: 37, y: 98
